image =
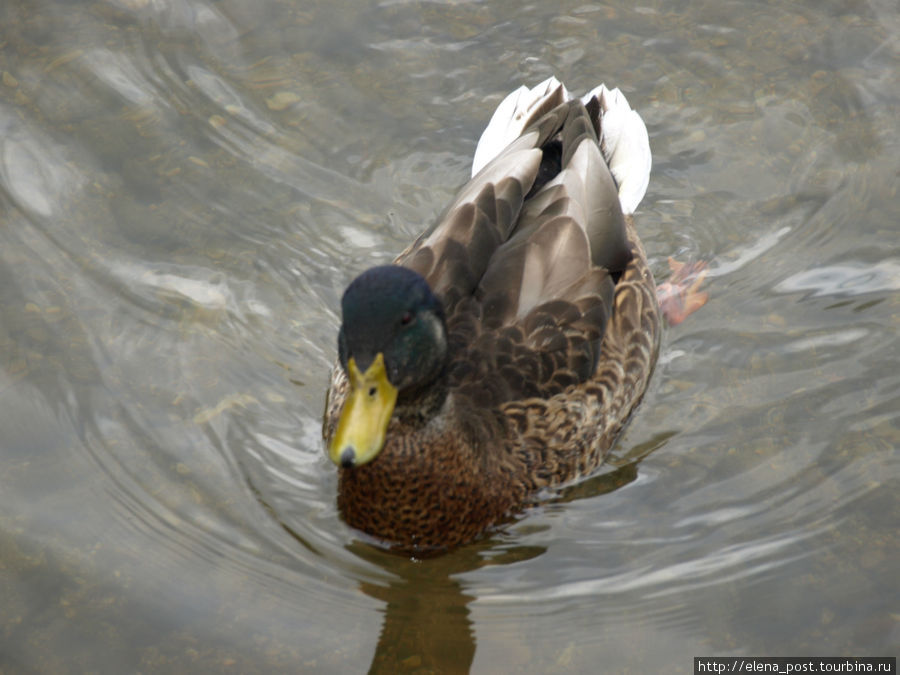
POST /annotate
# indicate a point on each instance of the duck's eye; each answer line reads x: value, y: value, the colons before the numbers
x: 406, y: 319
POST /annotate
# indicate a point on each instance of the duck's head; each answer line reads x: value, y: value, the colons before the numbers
x: 392, y: 342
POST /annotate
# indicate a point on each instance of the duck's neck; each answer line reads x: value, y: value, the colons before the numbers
x: 416, y: 406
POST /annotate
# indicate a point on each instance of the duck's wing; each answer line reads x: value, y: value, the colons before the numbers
x: 454, y: 255
x: 568, y: 227
x: 526, y: 256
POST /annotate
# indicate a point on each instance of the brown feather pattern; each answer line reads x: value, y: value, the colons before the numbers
x: 553, y: 331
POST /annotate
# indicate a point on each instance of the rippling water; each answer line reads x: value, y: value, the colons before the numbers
x: 186, y: 188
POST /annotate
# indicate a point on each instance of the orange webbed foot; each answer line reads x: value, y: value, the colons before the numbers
x: 679, y: 297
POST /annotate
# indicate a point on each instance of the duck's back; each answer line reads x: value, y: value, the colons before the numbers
x: 526, y: 257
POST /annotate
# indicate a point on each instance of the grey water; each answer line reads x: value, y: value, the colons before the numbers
x: 186, y: 186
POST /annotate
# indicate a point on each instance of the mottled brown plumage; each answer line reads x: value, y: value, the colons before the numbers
x: 552, y: 331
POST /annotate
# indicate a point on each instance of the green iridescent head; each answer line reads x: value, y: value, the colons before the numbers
x: 393, y: 339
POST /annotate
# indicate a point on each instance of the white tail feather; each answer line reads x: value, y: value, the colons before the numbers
x: 625, y: 146
x: 508, y: 121
x: 624, y: 140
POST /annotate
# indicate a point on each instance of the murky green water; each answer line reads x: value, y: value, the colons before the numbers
x: 187, y: 186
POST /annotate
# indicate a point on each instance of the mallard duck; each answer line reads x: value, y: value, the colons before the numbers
x: 501, y: 353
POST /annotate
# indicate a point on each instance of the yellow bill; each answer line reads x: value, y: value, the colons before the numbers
x: 364, y: 420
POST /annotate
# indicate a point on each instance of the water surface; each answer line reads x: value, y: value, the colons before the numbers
x: 186, y: 188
